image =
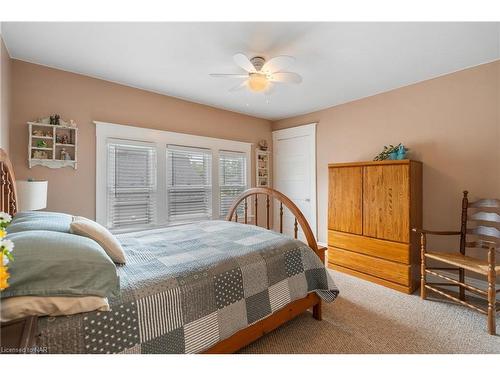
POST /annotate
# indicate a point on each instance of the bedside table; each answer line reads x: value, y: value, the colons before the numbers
x: 18, y: 336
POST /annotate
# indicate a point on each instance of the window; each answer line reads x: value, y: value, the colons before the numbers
x: 131, y: 184
x: 232, y: 178
x: 189, y: 183
x: 149, y: 178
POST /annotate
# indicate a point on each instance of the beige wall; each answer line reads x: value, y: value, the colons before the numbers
x: 450, y: 123
x: 38, y: 91
x: 5, y: 95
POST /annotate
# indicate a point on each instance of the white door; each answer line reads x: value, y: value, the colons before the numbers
x: 294, y: 171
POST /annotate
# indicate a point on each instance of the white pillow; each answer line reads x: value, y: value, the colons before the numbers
x: 19, y: 307
x: 89, y: 228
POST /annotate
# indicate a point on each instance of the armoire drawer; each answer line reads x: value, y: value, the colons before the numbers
x: 384, y: 269
x: 394, y: 251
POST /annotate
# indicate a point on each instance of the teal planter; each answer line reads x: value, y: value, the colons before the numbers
x: 393, y: 156
x: 401, y: 154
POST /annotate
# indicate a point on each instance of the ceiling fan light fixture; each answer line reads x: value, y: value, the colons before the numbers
x: 258, y: 82
x: 262, y: 76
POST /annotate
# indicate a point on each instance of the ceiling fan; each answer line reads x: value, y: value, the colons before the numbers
x: 261, y: 75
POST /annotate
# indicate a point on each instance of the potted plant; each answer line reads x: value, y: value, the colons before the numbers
x: 392, y: 152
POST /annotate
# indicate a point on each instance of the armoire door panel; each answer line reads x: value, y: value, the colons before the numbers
x: 345, y: 211
x: 386, y: 202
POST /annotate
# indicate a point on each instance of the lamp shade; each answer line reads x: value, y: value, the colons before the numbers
x: 31, y: 195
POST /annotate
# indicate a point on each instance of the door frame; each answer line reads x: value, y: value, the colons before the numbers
x: 301, y: 131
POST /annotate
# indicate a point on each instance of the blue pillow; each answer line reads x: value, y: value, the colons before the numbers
x: 40, y: 220
x: 59, y: 264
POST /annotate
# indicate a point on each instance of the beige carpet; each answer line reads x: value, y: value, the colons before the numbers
x: 367, y: 318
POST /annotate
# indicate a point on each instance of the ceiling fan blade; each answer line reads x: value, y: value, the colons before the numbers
x: 286, y: 77
x: 277, y: 64
x: 222, y: 75
x: 244, y: 62
x: 239, y: 87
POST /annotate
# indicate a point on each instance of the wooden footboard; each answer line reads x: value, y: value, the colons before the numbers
x: 246, y: 336
x: 270, y: 194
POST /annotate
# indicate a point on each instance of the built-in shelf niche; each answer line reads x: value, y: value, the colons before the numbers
x: 262, y: 174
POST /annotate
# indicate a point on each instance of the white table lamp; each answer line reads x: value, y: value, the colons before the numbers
x: 31, y: 195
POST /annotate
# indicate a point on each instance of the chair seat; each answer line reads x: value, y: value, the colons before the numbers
x: 462, y: 261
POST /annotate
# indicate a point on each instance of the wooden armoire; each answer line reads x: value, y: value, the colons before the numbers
x: 372, y: 207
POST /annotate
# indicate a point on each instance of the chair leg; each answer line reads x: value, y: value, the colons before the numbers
x: 491, y: 293
x: 317, y: 314
x: 492, y: 326
x: 423, y: 290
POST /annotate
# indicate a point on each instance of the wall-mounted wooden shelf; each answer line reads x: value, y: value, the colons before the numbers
x: 50, y: 156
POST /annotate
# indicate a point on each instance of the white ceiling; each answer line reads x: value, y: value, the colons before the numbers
x: 339, y: 62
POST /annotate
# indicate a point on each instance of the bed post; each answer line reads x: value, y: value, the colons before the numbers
x: 317, y: 311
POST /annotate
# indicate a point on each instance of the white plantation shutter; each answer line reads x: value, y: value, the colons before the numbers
x: 131, y: 184
x: 189, y: 183
x: 232, y: 178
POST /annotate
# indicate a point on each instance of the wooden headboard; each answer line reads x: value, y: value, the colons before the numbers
x: 8, y: 195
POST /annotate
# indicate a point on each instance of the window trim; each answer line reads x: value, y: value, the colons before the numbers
x: 161, y: 139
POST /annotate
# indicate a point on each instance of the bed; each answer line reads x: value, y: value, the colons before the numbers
x: 206, y: 287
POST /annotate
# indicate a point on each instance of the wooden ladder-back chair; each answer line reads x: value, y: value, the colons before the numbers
x: 484, y: 235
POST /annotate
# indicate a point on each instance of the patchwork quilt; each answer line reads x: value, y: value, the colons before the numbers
x: 185, y: 288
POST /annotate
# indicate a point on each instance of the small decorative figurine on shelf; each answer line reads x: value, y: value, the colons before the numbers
x: 40, y: 155
x: 43, y: 120
x: 38, y: 133
x: 55, y: 119
x: 41, y: 144
x: 62, y: 139
x: 64, y: 154
x: 263, y: 145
